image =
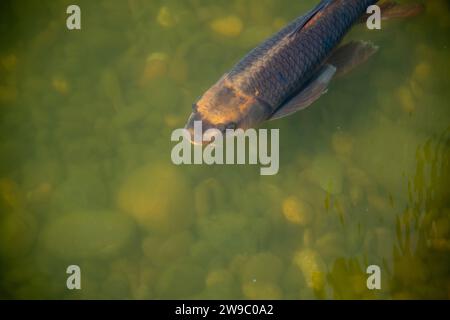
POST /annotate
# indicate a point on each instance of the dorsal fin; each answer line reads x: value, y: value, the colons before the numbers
x: 309, y: 15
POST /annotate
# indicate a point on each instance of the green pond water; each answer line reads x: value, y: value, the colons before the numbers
x: 86, y: 176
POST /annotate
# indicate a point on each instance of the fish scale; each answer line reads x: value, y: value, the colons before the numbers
x: 294, y: 56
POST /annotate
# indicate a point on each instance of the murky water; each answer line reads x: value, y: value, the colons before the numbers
x: 86, y: 176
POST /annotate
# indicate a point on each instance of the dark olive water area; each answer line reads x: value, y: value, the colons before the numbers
x: 86, y: 176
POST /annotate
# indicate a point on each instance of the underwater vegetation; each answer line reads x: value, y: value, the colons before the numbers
x: 86, y: 176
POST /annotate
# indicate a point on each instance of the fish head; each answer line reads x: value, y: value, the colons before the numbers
x: 226, y: 109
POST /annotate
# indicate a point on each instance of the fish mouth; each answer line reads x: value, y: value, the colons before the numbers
x: 196, y: 131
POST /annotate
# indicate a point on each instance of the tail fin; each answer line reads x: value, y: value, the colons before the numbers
x: 392, y: 10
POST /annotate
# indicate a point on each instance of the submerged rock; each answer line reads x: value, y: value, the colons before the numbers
x: 8, y: 94
x: 60, y: 85
x: 218, y: 277
x: 220, y: 284
x: 156, y: 196
x: 261, y: 291
x: 156, y: 66
x: 165, y: 17
x: 180, y: 281
x: 331, y: 245
x: 297, y: 211
x: 312, y: 266
x: 406, y: 99
x: 11, y: 197
x: 9, y: 62
x: 82, y: 189
x: 17, y: 234
x: 422, y: 71
x: 81, y: 235
x: 230, y: 26
x: 179, y: 70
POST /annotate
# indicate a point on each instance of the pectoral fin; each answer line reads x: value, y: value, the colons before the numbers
x: 310, y: 93
x: 350, y: 55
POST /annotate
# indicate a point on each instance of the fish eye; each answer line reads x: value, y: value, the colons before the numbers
x: 231, y: 126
